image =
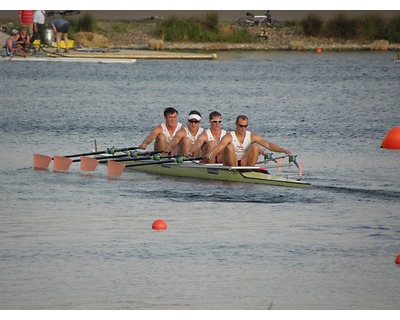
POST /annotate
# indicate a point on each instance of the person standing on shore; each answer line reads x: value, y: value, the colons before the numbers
x: 164, y: 132
x: 39, y: 18
x: 241, y: 147
x: 60, y: 27
x: 26, y: 20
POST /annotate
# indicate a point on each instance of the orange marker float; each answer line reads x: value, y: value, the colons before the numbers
x: 159, y: 225
x: 392, y: 139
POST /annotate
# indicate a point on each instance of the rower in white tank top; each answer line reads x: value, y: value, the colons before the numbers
x: 168, y: 134
x: 210, y: 136
x: 241, y: 148
x: 191, y: 137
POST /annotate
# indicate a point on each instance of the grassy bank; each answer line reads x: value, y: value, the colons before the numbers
x: 209, y: 33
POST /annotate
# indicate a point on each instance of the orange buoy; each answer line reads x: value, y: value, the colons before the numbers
x: 392, y: 139
x: 159, y: 225
x: 319, y: 50
x: 398, y: 259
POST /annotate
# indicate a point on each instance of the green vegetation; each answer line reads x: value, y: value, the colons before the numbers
x: 120, y: 27
x: 207, y: 29
x: 86, y: 23
x: 367, y: 27
x: 312, y: 25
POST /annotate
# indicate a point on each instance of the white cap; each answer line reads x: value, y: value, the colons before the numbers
x: 194, y: 117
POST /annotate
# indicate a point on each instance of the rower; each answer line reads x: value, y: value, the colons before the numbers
x: 210, y: 137
x: 241, y: 147
x: 164, y: 132
x: 186, y: 137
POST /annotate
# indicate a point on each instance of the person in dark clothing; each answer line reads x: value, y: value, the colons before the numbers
x: 60, y: 27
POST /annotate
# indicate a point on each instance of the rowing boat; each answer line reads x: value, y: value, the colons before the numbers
x: 195, y: 169
x: 68, y: 59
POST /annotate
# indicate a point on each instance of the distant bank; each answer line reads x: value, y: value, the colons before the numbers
x: 225, y: 15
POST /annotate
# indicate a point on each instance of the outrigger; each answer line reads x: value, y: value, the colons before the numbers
x: 178, y: 166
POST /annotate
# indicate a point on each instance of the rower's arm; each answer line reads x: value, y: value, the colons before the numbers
x: 177, y: 138
x: 269, y: 145
x: 218, y: 148
x: 198, y: 143
x: 153, y: 135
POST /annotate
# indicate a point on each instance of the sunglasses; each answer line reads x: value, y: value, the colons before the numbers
x: 194, y: 121
x: 243, y: 125
x: 216, y: 121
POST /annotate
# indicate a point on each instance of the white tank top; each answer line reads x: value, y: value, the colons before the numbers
x: 241, y: 148
x: 191, y: 137
x: 168, y: 134
x: 210, y: 137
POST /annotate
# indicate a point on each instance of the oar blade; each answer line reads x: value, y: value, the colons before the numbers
x: 115, y: 168
x: 61, y: 163
x: 41, y: 161
x: 88, y: 164
x: 279, y: 162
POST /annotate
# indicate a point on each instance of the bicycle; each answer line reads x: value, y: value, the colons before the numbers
x: 253, y: 20
x: 52, y: 13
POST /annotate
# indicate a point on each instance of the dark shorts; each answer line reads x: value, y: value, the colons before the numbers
x: 64, y: 28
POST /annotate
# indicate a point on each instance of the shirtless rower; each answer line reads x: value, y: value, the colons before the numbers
x: 210, y: 137
x: 241, y: 147
x: 164, y: 132
x: 186, y: 137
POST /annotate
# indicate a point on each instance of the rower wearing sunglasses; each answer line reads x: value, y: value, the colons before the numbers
x: 210, y: 137
x: 187, y: 136
x: 241, y: 147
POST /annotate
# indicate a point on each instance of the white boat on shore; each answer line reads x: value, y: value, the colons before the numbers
x: 66, y: 59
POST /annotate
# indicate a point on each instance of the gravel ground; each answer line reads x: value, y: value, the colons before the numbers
x: 139, y: 35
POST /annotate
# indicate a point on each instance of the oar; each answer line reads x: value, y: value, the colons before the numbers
x: 292, y: 159
x: 90, y: 164
x: 111, y: 150
x: 128, y: 156
x: 116, y: 168
x: 41, y: 161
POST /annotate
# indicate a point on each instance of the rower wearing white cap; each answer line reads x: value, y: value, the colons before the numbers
x: 210, y: 137
x: 186, y: 137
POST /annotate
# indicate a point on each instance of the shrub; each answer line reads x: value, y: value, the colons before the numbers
x: 197, y: 30
x: 211, y: 21
x: 312, y: 25
x: 341, y: 27
x: 371, y: 27
x: 393, y: 29
x: 120, y: 27
x: 86, y: 23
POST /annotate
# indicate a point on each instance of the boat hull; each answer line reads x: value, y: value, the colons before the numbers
x: 215, y: 172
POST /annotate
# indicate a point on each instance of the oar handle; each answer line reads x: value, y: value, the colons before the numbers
x: 111, y: 150
x: 177, y: 159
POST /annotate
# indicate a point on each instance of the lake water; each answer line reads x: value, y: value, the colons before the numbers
x: 73, y: 241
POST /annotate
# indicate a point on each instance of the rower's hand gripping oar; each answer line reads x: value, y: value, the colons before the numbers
x: 278, y: 160
x: 116, y: 168
x: 299, y: 166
